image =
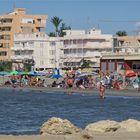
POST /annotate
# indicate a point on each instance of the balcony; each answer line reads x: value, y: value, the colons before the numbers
x: 4, y: 24
x: 40, y: 23
x: 4, y: 41
x: 127, y: 46
x: 21, y: 57
x: 5, y: 32
x: 21, y: 47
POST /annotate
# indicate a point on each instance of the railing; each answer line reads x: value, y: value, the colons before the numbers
x: 127, y: 46
x: 5, y: 24
x: 21, y: 47
x: 22, y: 57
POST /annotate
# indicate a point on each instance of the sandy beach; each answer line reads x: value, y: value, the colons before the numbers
x: 105, y: 136
x: 109, y: 92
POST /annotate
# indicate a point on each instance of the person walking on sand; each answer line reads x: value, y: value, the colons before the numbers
x: 102, y: 90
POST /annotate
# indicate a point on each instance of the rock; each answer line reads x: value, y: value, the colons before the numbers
x: 131, y: 125
x: 103, y: 126
x: 57, y: 126
x: 87, y: 135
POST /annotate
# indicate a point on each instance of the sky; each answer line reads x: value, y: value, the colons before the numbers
x: 108, y: 15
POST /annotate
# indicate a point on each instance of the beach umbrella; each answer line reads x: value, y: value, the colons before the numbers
x: 131, y: 74
x: 41, y: 73
x: 14, y: 72
x: 33, y: 73
x: 88, y: 74
x: 56, y: 76
x: 2, y: 73
x: 23, y: 73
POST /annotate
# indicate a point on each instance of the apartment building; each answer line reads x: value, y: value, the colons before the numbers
x: 127, y: 44
x: 17, y: 22
x: 37, y: 49
x: 80, y: 44
x: 125, y: 57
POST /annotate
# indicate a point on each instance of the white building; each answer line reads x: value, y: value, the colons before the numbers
x: 38, y: 49
x: 127, y: 44
x: 79, y: 45
x: 45, y: 52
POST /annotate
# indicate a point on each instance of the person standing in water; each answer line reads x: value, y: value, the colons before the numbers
x: 102, y: 90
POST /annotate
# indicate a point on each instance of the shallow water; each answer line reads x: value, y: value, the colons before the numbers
x: 24, y: 111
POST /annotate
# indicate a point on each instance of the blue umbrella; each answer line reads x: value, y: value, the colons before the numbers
x: 88, y: 74
x: 4, y: 73
x: 56, y: 76
x: 33, y: 73
x: 41, y: 73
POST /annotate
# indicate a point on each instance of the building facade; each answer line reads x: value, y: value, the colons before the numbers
x: 37, y: 49
x: 17, y: 22
x: 127, y: 44
x: 125, y: 57
x: 123, y: 63
x: 79, y: 45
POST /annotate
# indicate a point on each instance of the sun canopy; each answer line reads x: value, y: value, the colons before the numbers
x: 14, y: 72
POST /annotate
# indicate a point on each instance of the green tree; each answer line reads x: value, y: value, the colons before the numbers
x: 56, y: 22
x: 52, y: 34
x: 62, y: 28
x: 121, y: 33
x: 5, y: 65
x: 85, y: 63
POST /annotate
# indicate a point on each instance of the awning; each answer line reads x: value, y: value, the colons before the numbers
x: 133, y: 57
x: 72, y: 60
x: 92, y: 59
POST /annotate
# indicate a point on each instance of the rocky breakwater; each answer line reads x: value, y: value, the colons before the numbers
x: 57, y: 126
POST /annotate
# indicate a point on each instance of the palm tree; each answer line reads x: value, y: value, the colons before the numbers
x: 121, y: 33
x: 56, y: 22
x: 62, y: 28
x: 51, y: 34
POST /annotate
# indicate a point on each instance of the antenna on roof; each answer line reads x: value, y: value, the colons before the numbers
x: 98, y: 26
x: 14, y: 5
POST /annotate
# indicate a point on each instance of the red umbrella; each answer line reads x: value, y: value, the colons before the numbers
x: 132, y: 74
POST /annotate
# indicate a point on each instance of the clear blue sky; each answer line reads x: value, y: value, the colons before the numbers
x: 84, y: 14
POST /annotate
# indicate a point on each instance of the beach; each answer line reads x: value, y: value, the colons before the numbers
x: 106, y: 136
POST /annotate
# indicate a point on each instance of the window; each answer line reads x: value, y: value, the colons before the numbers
x: 3, y: 53
x: 136, y: 66
x: 51, y: 52
x: 52, y: 43
x: 120, y: 65
x: 51, y: 61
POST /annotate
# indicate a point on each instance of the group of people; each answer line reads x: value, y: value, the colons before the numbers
x: 100, y: 82
x: 24, y: 80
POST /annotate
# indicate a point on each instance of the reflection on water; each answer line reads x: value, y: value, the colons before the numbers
x: 23, y: 111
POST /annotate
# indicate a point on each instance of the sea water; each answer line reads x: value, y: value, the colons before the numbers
x: 24, y: 111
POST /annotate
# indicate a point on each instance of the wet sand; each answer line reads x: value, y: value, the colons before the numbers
x: 109, y: 92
